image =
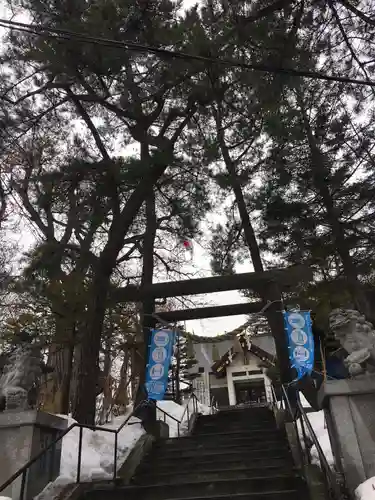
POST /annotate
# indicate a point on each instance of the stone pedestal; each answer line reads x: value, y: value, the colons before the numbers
x: 350, y: 412
x: 157, y: 429
x: 22, y: 436
x: 163, y: 430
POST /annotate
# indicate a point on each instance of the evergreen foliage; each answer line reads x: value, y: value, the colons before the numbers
x: 114, y: 157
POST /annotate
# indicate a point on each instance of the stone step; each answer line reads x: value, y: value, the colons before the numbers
x: 215, y: 454
x: 233, y: 434
x: 238, y: 416
x: 246, y: 417
x: 223, y: 437
x: 212, y: 448
x: 214, y: 462
x: 202, y: 489
x: 211, y: 474
x: 267, y: 495
x: 230, y: 427
x: 244, y: 409
x: 236, y: 423
x: 223, y: 444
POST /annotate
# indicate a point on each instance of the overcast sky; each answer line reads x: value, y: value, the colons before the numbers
x: 201, y: 262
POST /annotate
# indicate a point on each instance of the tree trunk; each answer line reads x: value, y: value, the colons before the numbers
x: 88, y: 368
x: 121, y: 398
x: 67, y: 379
x: 148, y: 305
x: 107, y: 386
x: 272, y: 292
x: 85, y: 400
x: 55, y: 393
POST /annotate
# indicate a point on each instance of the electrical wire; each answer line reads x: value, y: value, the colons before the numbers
x: 59, y: 34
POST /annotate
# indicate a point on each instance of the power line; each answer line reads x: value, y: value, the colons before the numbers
x: 59, y: 34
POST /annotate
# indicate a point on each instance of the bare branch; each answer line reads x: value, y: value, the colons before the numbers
x: 357, y: 12
x: 85, y: 116
x: 129, y: 253
x: 347, y: 42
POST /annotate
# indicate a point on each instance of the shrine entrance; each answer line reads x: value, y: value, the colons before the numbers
x: 250, y: 392
x: 269, y: 285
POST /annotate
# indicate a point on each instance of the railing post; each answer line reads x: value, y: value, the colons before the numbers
x: 115, y: 458
x: 79, y: 454
x: 52, y: 462
x: 307, y: 450
x: 23, y: 485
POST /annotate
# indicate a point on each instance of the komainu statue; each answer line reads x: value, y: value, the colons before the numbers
x: 20, y: 377
x: 357, y: 337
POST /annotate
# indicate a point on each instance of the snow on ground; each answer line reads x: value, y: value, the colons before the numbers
x: 98, y: 449
x: 176, y: 411
x: 318, y: 423
x: 179, y: 413
x: 304, y: 401
x: 97, y: 453
x: 98, y: 446
x: 366, y: 490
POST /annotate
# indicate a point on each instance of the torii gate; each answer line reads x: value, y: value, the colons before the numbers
x: 284, y: 279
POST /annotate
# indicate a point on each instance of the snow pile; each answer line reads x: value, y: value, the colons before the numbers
x: 53, y: 490
x: 97, y: 454
x: 204, y: 409
x: 97, y: 449
x: 318, y: 423
x: 366, y: 490
x: 304, y: 401
x: 179, y: 413
x: 98, y: 446
x: 317, y: 420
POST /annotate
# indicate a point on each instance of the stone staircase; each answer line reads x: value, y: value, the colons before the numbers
x: 234, y: 454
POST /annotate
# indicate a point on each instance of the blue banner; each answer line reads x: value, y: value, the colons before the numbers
x: 159, y: 360
x: 301, y: 341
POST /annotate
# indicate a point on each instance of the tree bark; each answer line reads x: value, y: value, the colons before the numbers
x: 89, y: 349
x: 67, y: 378
x: 107, y: 386
x: 271, y: 292
x: 121, y: 398
x: 55, y: 392
x: 148, y: 305
x: 85, y: 405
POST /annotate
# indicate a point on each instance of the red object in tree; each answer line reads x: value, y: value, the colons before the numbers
x: 186, y: 244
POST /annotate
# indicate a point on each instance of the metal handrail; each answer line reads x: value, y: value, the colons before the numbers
x: 195, y: 405
x: 179, y: 422
x: 334, y: 484
x: 23, y: 470
x: 315, y: 440
x: 213, y: 405
x: 274, y: 398
x: 166, y: 414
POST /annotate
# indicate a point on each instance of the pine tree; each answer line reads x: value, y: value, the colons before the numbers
x: 145, y: 99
